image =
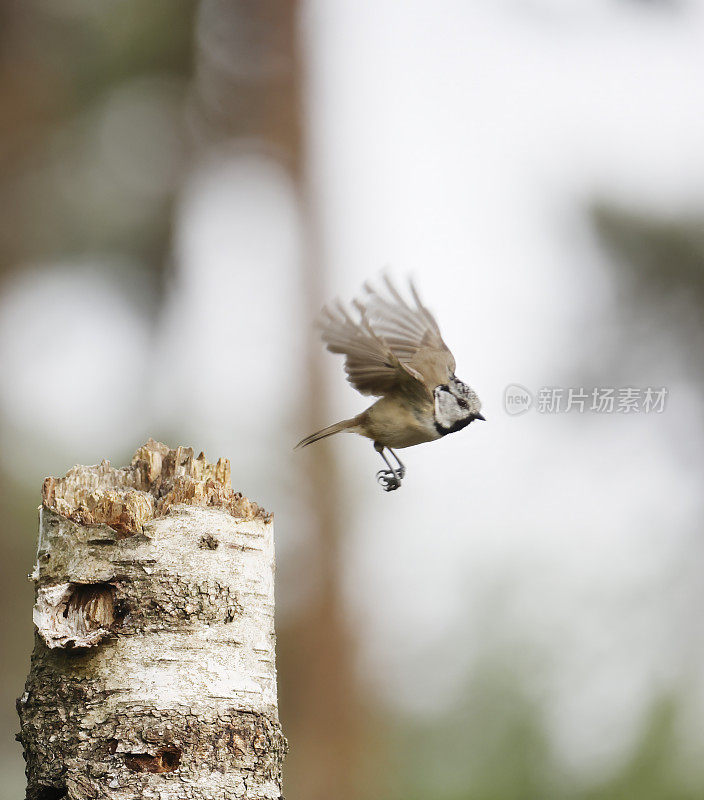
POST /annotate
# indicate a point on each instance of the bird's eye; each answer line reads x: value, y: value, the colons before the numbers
x: 462, y: 403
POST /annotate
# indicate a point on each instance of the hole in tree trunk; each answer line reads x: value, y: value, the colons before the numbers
x: 75, y: 615
x: 90, y: 606
x: 166, y: 760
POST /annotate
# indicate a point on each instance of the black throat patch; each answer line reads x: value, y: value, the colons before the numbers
x: 461, y: 423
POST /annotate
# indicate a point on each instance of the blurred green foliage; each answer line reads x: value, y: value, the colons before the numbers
x: 495, y: 747
x: 658, y: 255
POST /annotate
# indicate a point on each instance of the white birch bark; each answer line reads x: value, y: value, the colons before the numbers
x: 153, y: 672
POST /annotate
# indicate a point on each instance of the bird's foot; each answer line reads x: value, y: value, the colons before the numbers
x: 400, y: 468
x: 389, y: 480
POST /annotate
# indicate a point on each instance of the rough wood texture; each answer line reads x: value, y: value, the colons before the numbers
x: 153, y: 671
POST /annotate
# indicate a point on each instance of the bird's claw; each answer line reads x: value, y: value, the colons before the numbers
x: 389, y: 480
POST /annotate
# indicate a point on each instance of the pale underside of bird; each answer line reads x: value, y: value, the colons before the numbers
x: 395, y: 352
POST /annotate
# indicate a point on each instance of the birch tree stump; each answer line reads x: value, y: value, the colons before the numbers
x: 153, y: 672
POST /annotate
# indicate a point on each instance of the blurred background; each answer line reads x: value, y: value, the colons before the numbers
x: 183, y: 185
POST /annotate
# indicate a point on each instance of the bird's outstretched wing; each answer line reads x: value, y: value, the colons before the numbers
x: 393, y: 346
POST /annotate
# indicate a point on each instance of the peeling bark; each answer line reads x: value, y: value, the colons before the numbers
x: 153, y: 672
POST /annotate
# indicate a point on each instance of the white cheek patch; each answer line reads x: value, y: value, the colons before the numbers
x: 447, y: 412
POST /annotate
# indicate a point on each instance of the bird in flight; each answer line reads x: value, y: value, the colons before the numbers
x: 395, y: 352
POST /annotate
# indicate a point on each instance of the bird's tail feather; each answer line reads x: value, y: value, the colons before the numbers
x: 329, y: 431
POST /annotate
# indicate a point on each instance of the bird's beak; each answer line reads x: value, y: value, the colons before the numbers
x: 480, y: 416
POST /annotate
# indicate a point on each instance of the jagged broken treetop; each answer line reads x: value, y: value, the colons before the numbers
x: 157, y: 479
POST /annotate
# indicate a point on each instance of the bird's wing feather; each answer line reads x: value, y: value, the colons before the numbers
x: 371, y: 366
x: 412, y: 333
x: 392, y: 346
